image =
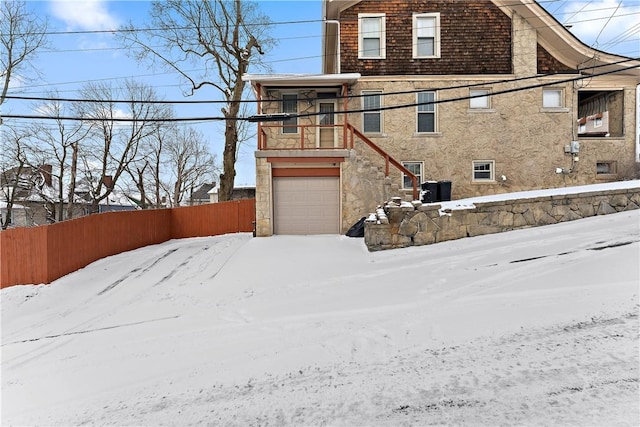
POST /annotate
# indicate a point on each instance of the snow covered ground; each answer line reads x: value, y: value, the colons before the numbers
x: 531, y: 327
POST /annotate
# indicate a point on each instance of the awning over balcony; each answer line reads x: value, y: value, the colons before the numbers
x: 306, y: 81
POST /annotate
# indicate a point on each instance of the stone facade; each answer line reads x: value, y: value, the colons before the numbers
x: 498, y: 46
x: 403, y: 225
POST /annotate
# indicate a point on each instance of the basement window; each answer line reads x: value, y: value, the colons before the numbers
x: 416, y: 169
x: 606, y: 168
x: 483, y: 170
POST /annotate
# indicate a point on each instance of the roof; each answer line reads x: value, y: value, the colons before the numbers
x: 306, y: 80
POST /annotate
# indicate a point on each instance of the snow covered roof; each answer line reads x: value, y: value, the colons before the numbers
x: 306, y: 80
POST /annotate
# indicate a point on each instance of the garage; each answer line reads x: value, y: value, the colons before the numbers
x: 306, y: 205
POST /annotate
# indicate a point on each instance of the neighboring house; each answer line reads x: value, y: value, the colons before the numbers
x: 115, y: 201
x: 487, y: 94
x: 21, y: 216
x: 32, y: 192
x: 202, y: 194
x: 238, y: 193
x: 36, y: 202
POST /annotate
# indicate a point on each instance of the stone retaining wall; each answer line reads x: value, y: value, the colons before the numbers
x: 400, y: 225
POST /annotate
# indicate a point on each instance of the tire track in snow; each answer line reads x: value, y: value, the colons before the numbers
x: 105, y: 328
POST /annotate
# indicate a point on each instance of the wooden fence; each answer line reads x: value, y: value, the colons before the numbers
x: 46, y: 253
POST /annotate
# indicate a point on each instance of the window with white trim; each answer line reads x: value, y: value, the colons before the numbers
x: 371, y: 36
x: 483, y: 170
x: 479, y: 98
x: 416, y: 169
x: 426, y: 35
x: 426, y: 112
x: 372, y: 116
x: 290, y: 105
x: 552, y: 98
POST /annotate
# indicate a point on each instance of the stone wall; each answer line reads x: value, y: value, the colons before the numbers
x: 400, y: 225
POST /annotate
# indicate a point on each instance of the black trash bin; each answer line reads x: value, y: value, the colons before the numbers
x: 444, y: 191
x: 430, y: 189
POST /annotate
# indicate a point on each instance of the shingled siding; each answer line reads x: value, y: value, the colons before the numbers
x: 475, y: 38
x: 548, y: 64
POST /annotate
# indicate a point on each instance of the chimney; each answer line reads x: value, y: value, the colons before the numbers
x: 107, y: 180
x: 46, y: 171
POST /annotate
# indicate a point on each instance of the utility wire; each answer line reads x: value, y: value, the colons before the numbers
x: 385, y: 108
x: 339, y: 97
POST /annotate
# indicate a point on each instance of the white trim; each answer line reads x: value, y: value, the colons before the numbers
x: 436, y: 35
x: 282, y: 95
x: 477, y: 98
x: 553, y: 89
x: 435, y: 112
x: 492, y: 171
x: 382, y: 35
x: 373, y: 92
x: 420, y: 177
x: 333, y: 102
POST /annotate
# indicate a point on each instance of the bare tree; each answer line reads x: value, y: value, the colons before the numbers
x: 116, y: 143
x: 22, y: 33
x: 59, y: 146
x: 189, y: 163
x: 219, y: 37
x: 146, y: 172
x: 13, y: 164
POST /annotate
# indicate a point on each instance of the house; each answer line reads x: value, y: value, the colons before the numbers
x: 30, y: 193
x: 238, y: 193
x: 492, y: 96
x: 202, y: 194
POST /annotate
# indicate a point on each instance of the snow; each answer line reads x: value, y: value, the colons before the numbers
x: 470, y: 202
x: 530, y: 327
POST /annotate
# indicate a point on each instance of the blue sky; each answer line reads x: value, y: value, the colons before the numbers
x: 74, y: 59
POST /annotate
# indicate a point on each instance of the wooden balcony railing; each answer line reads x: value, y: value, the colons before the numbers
x: 296, y: 141
x: 305, y: 138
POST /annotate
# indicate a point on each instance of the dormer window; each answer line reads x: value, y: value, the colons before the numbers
x: 426, y: 35
x: 371, y: 36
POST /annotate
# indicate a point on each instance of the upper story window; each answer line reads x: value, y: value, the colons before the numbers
x: 426, y: 110
x: 372, y: 117
x: 426, y: 35
x: 371, y: 36
x: 552, y: 98
x: 290, y: 105
x: 479, y: 98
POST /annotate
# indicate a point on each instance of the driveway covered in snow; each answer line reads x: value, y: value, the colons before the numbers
x: 534, y: 327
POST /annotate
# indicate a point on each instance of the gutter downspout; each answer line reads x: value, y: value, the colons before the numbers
x: 337, y: 66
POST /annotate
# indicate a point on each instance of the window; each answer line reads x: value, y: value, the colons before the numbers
x: 605, y: 168
x: 479, y: 98
x: 416, y: 169
x: 426, y: 35
x: 290, y: 105
x: 483, y: 170
x: 371, y: 40
x: 372, y: 120
x: 426, y: 112
x: 552, y: 98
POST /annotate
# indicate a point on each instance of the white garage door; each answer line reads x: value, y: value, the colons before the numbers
x: 306, y: 205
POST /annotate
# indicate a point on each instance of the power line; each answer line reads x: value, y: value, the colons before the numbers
x: 502, y: 81
x: 385, y: 108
